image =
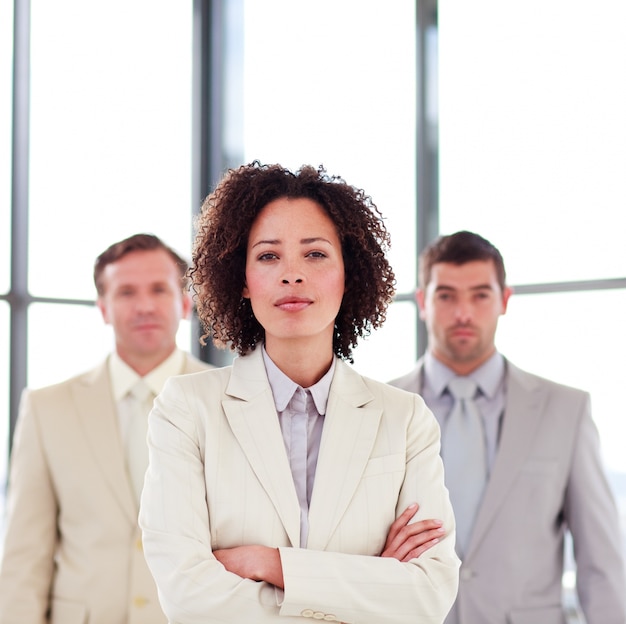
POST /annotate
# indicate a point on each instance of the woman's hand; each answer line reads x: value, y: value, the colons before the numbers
x: 406, y: 541
x: 257, y: 563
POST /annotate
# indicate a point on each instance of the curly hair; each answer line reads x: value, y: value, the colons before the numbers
x: 218, y: 266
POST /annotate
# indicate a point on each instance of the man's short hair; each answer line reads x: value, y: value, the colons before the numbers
x: 137, y: 242
x: 459, y: 248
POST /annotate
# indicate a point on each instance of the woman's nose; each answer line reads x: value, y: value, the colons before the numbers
x: 293, y: 273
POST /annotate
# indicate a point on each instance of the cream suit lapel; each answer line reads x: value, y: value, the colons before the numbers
x: 193, y: 365
x: 350, y: 429
x: 522, y: 418
x: 98, y: 417
x: 252, y: 416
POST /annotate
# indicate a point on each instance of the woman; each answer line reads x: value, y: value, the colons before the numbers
x: 286, y: 485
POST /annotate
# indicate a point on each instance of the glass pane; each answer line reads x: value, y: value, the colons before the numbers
x: 390, y: 351
x: 339, y: 92
x: 55, y: 355
x: 577, y: 339
x: 110, y: 135
x: 6, y: 106
x: 4, y: 401
x: 533, y: 133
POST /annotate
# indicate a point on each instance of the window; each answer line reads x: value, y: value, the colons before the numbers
x: 342, y: 92
x: 6, y: 95
x: 110, y: 156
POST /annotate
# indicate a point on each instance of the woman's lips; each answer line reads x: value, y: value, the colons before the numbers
x: 293, y: 304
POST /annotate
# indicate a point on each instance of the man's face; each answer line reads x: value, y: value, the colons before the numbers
x: 461, y: 306
x: 143, y: 301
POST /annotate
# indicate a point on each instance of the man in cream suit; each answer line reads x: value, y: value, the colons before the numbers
x: 540, y: 452
x: 73, y: 550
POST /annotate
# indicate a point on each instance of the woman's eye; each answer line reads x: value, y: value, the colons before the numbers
x: 268, y: 256
x: 316, y: 254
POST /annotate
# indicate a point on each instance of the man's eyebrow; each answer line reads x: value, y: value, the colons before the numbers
x: 477, y: 287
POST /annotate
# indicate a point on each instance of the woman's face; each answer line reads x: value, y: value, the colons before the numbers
x: 294, y: 272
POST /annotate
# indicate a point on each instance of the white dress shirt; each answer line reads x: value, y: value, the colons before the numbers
x: 123, y: 378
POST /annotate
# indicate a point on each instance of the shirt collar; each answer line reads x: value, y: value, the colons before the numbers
x: 283, y: 388
x: 488, y: 376
x: 123, y: 377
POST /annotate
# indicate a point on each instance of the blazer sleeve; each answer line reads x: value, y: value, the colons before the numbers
x: 593, y: 520
x: 31, y: 537
x: 194, y: 588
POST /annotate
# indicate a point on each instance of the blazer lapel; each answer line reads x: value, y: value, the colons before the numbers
x: 98, y: 416
x: 522, y: 417
x: 350, y: 429
x: 252, y: 416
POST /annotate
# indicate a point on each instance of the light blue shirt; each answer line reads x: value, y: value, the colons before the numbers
x: 491, y: 381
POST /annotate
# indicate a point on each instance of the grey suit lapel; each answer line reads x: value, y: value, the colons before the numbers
x: 98, y: 417
x: 254, y: 422
x: 522, y: 418
x: 350, y: 429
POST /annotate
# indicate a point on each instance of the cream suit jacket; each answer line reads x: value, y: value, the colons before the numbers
x: 547, y: 477
x: 72, y: 545
x: 219, y: 477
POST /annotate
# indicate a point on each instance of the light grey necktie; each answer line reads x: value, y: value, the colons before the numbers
x: 140, y: 399
x: 465, y: 457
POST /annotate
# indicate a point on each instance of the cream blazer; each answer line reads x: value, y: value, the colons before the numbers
x: 547, y: 477
x: 72, y: 550
x: 219, y: 477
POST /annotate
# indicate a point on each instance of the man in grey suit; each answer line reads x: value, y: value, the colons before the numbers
x: 521, y: 455
x: 73, y: 551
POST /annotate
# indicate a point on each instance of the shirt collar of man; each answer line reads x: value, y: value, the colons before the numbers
x: 123, y: 377
x: 283, y: 388
x: 488, y: 376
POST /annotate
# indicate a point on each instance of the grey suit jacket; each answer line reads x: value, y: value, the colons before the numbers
x: 73, y: 551
x: 547, y: 477
x: 219, y: 477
